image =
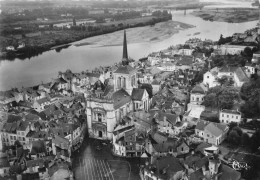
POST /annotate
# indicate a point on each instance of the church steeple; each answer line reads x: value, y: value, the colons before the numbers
x: 125, y: 54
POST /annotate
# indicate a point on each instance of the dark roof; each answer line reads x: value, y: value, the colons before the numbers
x: 170, y: 164
x: 137, y: 94
x: 241, y: 75
x: 228, y: 69
x: 199, y: 88
x: 230, y: 111
x: 120, y: 97
x: 125, y: 69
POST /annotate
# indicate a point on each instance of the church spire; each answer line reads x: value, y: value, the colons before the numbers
x: 125, y: 55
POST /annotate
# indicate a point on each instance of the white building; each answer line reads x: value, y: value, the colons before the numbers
x: 227, y: 116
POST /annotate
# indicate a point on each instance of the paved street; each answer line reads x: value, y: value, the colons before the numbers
x: 94, y: 169
x: 92, y: 164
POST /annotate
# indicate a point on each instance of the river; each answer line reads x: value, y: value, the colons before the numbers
x: 43, y: 68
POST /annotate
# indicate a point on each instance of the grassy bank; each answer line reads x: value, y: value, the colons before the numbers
x: 231, y: 15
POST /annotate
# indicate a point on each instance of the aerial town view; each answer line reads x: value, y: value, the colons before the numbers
x: 129, y: 90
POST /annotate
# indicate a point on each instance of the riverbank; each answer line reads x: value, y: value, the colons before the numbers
x: 156, y: 33
x: 230, y: 15
x: 45, y: 40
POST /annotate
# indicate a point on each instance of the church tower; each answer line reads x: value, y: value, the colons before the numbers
x: 125, y: 76
x: 125, y: 54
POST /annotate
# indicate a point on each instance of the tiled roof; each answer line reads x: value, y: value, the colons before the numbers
x: 125, y: 69
x: 155, y: 82
x: 120, y: 97
x: 201, y: 125
x: 241, y: 75
x: 59, y: 141
x: 137, y: 94
x: 228, y: 69
x: 230, y: 111
x: 199, y: 88
x: 43, y: 100
x: 170, y: 164
x: 213, y: 129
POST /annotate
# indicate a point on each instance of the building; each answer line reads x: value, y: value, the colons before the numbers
x: 140, y: 99
x: 163, y: 168
x: 197, y: 95
x: 210, y: 77
x: 106, y: 106
x: 227, y: 116
x: 125, y: 76
x: 213, y: 133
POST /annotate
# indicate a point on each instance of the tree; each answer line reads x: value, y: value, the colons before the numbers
x: 245, y: 139
x: 233, y: 137
x: 232, y: 125
x: 210, y: 100
x: 223, y: 80
x: 238, y: 130
x: 248, y: 52
x: 255, y: 141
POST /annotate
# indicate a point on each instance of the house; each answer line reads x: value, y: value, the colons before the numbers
x: 186, y: 51
x: 232, y: 49
x: 227, y: 116
x: 197, y: 95
x: 240, y: 77
x: 163, y: 168
x: 61, y: 147
x: 140, y: 99
x: 166, y: 122
x: 251, y: 67
x: 214, y: 169
x: 213, y: 133
x: 210, y: 77
x: 156, y: 86
x: 39, y: 105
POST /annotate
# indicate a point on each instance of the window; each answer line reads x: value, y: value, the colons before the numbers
x: 14, y: 137
x: 207, y: 135
x: 11, y: 137
x: 222, y: 115
x: 227, y: 116
x: 99, y: 117
x: 223, y: 121
x: 236, y: 117
x: 207, y: 76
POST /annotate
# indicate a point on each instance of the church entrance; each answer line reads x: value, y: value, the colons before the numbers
x: 100, y: 134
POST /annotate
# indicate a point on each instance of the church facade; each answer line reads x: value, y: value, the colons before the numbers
x: 106, y: 107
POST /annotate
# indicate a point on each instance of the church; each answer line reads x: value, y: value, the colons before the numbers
x: 108, y: 104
